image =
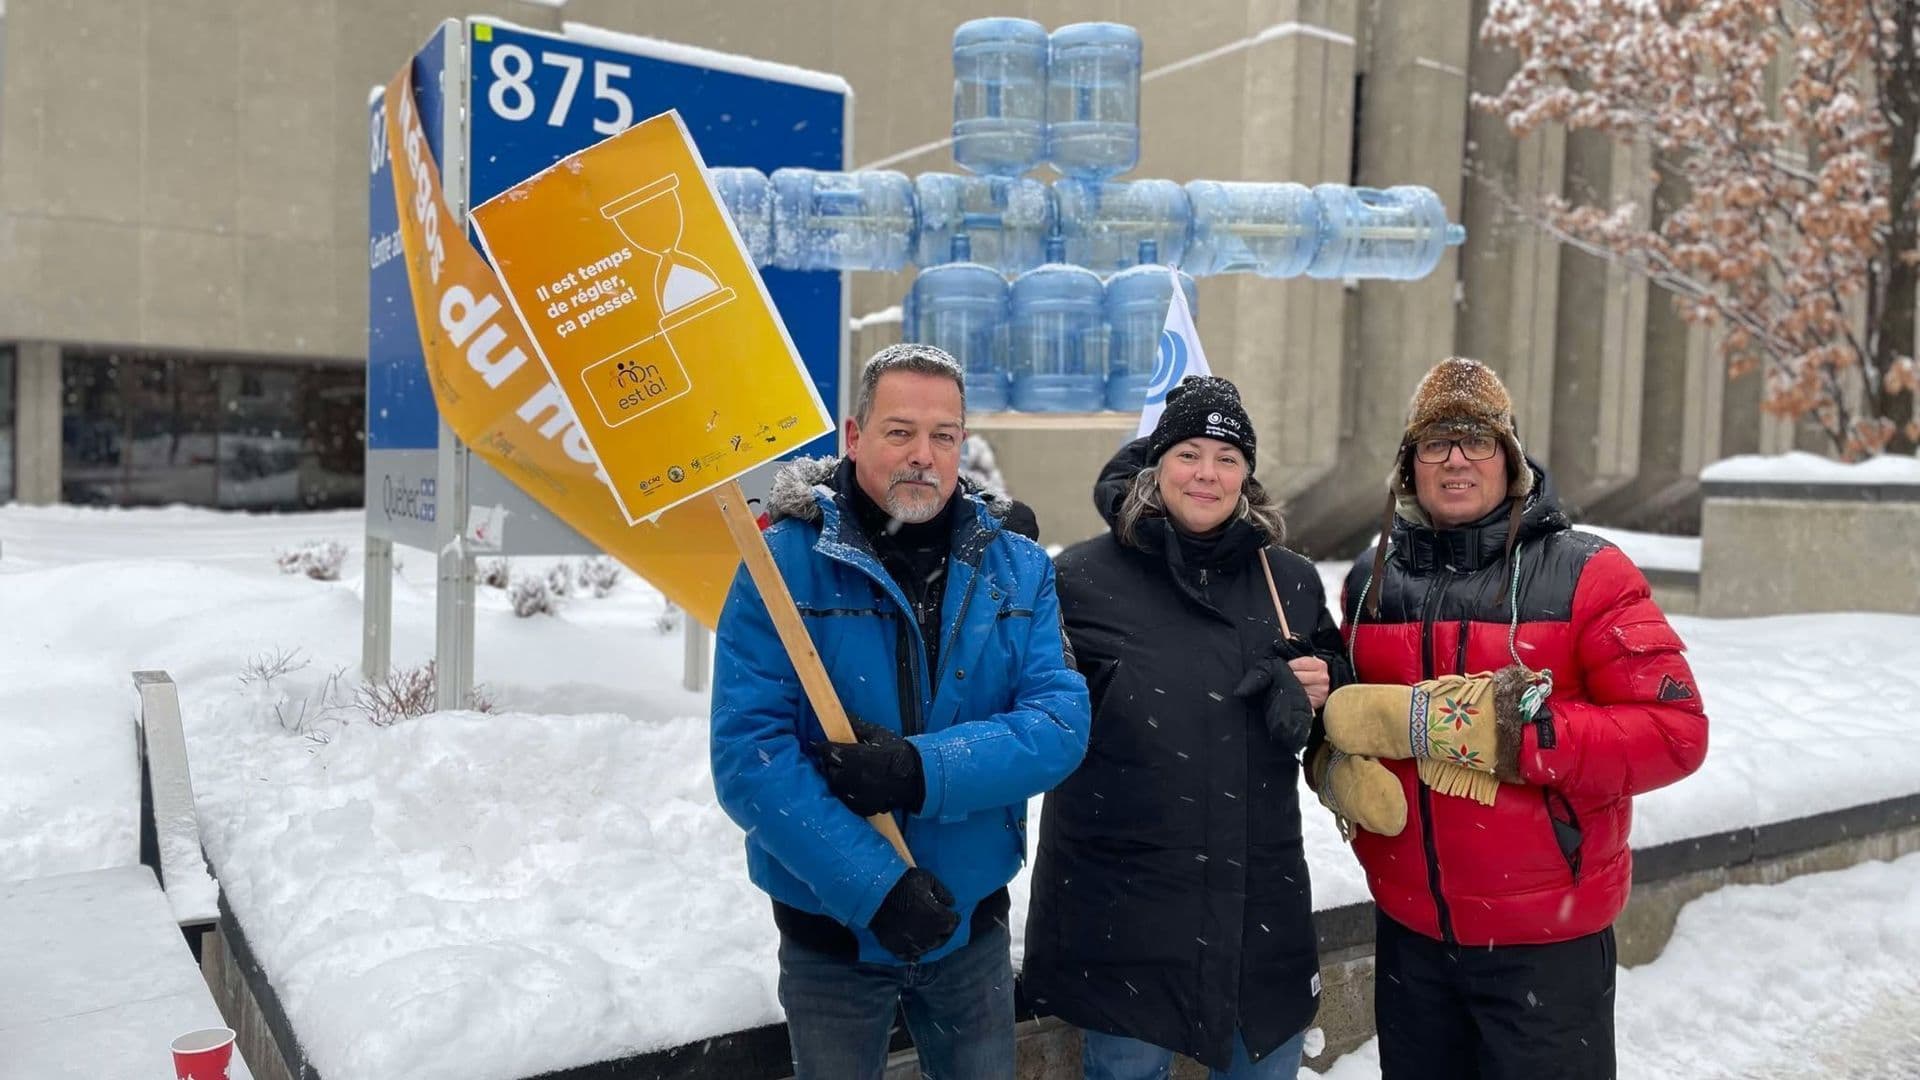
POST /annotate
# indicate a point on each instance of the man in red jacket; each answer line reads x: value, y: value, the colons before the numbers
x: 1496, y: 899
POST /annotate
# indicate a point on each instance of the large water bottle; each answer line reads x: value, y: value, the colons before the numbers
x: 962, y: 308
x: 1093, y: 100
x: 748, y: 197
x: 999, y: 96
x: 1398, y: 234
x: 1268, y: 229
x: 1057, y: 342
x: 1005, y: 221
x: 1136, y: 311
x: 841, y: 220
x: 1109, y: 227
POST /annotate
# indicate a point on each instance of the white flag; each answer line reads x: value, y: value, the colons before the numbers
x: 1178, y: 356
x: 487, y: 527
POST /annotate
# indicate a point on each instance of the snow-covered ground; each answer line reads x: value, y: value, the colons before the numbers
x: 496, y: 895
x: 1654, y: 551
x: 1815, y: 977
x: 95, y: 979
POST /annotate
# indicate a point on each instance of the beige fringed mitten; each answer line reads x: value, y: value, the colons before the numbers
x: 1361, y: 792
x: 1463, y: 730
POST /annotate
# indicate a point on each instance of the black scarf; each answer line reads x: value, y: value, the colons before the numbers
x: 915, y: 555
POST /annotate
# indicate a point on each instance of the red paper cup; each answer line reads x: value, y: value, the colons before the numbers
x: 203, y: 1054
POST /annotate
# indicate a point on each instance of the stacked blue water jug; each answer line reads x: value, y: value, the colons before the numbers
x: 1053, y: 295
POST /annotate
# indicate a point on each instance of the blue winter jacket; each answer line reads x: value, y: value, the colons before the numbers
x: 1004, y: 718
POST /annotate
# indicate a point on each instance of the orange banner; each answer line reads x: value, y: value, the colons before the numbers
x: 498, y: 398
x: 650, y: 316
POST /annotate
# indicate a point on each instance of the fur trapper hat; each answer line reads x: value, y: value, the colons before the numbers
x: 1460, y: 397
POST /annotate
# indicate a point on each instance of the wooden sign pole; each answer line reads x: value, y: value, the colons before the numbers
x: 793, y: 634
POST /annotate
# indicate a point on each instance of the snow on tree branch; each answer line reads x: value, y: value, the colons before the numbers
x: 1791, y: 124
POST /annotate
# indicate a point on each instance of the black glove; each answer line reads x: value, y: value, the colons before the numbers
x: 1287, y: 711
x: 879, y: 773
x: 917, y: 916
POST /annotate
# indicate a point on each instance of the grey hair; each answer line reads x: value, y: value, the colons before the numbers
x: 1256, y: 507
x: 908, y: 356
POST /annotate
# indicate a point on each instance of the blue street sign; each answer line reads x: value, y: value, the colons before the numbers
x: 535, y: 98
x: 401, y: 414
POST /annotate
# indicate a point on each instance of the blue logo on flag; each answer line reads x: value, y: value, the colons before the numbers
x: 1169, y: 365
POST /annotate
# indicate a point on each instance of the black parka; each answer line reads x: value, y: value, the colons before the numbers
x: 1170, y: 895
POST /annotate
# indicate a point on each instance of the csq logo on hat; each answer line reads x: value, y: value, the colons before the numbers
x: 1223, y: 427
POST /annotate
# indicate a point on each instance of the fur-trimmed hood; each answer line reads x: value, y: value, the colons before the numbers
x: 798, y: 486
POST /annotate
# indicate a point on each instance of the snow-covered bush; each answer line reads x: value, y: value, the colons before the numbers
x: 318, y: 559
x: 407, y: 693
x: 493, y: 573
x: 295, y: 711
x: 669, y: 620
x: 600, y: 573
x: 530, y: 596
x: 264, y: 667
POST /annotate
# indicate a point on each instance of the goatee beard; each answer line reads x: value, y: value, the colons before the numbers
x: 912, y: 510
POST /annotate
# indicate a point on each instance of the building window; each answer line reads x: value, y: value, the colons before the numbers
x: 1359, y: 107
x: 145, y: 429
x: 92, y: 429
x: 7, y: 408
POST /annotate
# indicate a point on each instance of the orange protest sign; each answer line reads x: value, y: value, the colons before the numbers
x: 644, y: 307
x: 502, y: 403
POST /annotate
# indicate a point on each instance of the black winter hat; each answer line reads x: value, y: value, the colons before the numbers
x: 1203, y: 406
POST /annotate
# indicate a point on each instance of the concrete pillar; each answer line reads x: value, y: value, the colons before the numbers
x: 1510, y: 269
x: 36, y: 429
x: 1682, y: 405
x: 1595, y: 446
x: 1412, y: 131
x: 1287, y: 339
x: 1682, y: 409
x: 1740, y: 415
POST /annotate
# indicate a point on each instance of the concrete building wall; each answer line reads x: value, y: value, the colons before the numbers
x: 192, y: 175
x: 36, y: 429
x: 189, y: 176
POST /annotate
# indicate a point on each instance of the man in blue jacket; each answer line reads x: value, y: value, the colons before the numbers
x: 941, y: 633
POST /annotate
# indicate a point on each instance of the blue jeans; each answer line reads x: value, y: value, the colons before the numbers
x: 959, y: 1009
x: 1116, y: 1057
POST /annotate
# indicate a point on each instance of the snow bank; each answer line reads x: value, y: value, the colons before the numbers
x: 497, y: 895
x: 1800, y: 467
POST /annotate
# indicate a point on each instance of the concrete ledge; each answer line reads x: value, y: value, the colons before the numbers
x: 1802, y: 492
x: 1750, y: 531
x: 1676, y: 591
x: 247, y: 1000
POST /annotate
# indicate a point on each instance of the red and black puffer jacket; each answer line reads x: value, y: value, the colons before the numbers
x: 1549, y: 860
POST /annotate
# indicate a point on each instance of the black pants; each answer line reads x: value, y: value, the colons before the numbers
x: 1450, y: 1012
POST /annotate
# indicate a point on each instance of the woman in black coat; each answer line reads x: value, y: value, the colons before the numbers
x: 1171, y: 908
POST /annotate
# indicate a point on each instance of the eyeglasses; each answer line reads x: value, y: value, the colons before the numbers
x: 1472, y: 447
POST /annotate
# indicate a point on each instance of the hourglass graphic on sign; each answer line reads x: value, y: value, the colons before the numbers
x: 648, y: 373
x: 651, y: 220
